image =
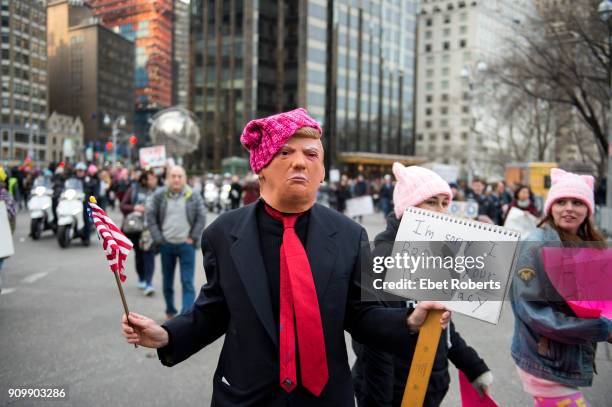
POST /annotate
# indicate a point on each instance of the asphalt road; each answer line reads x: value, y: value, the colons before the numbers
x: 60, y: 326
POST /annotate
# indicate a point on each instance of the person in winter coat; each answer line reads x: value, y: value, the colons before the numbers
x: 235, y: 192
x: 554, y: 350
x: 524, y: 200
x: 134, y: 201
x: 379, y: 377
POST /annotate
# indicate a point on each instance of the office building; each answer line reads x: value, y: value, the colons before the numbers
x: 351, y: 64
x: 23, y: 74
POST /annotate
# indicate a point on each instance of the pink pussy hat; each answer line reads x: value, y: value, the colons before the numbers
x: 266, y: 136
x: 569, y: 185
x: 415, y: 185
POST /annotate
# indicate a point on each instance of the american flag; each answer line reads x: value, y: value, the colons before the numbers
x: 116, y: 245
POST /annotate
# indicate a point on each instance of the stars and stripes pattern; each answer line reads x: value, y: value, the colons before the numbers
x: 116, y: 245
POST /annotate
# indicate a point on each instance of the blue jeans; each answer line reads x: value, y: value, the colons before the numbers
x: 186, y: 257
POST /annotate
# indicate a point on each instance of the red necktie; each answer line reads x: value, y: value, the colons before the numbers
x: 298, y: 297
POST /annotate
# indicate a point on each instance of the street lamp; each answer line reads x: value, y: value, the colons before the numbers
x: 466, y: 74
x: 33, y: 127
x: 605, y: 13
x: 119, y: 121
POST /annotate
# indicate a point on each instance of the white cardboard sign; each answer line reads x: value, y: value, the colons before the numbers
x: 152, y: 156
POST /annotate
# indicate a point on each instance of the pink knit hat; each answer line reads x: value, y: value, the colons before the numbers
x: 569, y: 185
x: 415, y: 185
x: 266, y: 136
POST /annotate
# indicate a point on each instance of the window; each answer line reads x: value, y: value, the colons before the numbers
x: 446, y: 45
x: 419, y: 137
x: 446, y: 58
x: 465, y: 109
x: 430, y: 60
x: 433, y: 137
x: 444, y: 97
x: 429, y: 73
x: 444, y: 110
x: 462, y: 43
x: 429, y: 98
x: 446, y: 136
x: 465, y: 122
x: 464, y: 136
x: 445, y: 84
x: 444, y: 123
x: 429, y: 86
x: 427, y: 47
x: 428, y: 111
x: 428, y: 35
x: 446, y: 32
x: 463, y: 29
x: 428, y: 22
x: 463, y: 17
x: 428, y: 124
x: 445, y: 71
x: 447, y: 19
x: 466, y: 95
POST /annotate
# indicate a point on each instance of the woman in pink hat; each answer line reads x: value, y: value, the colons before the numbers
x: 553, y: 349
x: 380, y: 377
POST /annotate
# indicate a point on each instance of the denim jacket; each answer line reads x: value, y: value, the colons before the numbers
x: 549, y: 341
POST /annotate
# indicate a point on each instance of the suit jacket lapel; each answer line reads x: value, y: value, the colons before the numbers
x: 321, y: 249
x: 246, y: 253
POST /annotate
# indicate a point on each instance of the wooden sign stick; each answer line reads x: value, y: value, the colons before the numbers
x: 422, y: 362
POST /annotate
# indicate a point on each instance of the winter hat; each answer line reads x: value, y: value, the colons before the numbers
x: 415, y: 185
x: 569, y: 185
x: 266, y: 136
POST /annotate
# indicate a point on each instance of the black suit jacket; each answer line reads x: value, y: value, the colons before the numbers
x: 236, y: 302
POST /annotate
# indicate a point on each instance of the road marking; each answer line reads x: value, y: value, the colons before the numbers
x: 34, y: 277
x: 7, y: 291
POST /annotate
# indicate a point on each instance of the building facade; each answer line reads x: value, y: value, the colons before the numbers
x: 351, y: 64
x: 23, y: 62
x: 457, y: 40
x: 181, y: 48
x: 149, y: 24
x: 90, y: 70
x: 65, y: 138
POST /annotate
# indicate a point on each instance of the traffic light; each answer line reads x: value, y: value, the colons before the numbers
x: 109, y: 145
x: 133, y: 140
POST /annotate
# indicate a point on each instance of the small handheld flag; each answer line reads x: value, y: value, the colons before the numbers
x: 116, y: 245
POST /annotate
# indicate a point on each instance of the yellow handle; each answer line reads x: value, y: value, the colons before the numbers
x: 422, y: 362
x: 93, y: 200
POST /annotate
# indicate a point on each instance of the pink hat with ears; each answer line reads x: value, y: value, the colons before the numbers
x: 415, y: 185
x: 569, y: 185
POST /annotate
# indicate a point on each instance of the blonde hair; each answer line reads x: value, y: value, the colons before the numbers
x: 309, y: 132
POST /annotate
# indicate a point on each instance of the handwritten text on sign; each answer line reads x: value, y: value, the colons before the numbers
x: 463, y: 263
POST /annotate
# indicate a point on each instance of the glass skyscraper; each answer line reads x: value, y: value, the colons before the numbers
x: 349, y: 62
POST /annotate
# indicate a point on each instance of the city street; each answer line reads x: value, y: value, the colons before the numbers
x: 60, y: 322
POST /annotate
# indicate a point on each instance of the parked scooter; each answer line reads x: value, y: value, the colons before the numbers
x: 40, y: 206
x: 211, y: 196
x: 70, y: 216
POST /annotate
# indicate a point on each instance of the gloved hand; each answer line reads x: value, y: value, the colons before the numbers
x: 483, y: 382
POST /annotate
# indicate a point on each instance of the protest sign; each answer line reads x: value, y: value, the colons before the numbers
x: 360, y: 206
x: 6, y: 238
x: 463, y: 209
x: 152, y: 156
x: 473, y: 271
x: 521, y: 221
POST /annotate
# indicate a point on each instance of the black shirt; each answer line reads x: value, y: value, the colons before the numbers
x: 271, y: 238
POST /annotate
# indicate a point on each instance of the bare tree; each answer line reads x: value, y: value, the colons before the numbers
x: 561, y: 61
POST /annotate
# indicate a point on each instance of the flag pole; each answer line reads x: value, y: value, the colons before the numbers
x: 118, y: 280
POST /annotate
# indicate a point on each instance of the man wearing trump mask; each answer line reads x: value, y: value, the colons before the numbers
x: 283, y: 284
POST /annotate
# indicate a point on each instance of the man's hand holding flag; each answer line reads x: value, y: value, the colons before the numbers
x: 116, y: 245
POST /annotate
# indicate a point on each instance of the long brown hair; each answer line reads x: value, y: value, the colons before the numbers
x: 587, y: 232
